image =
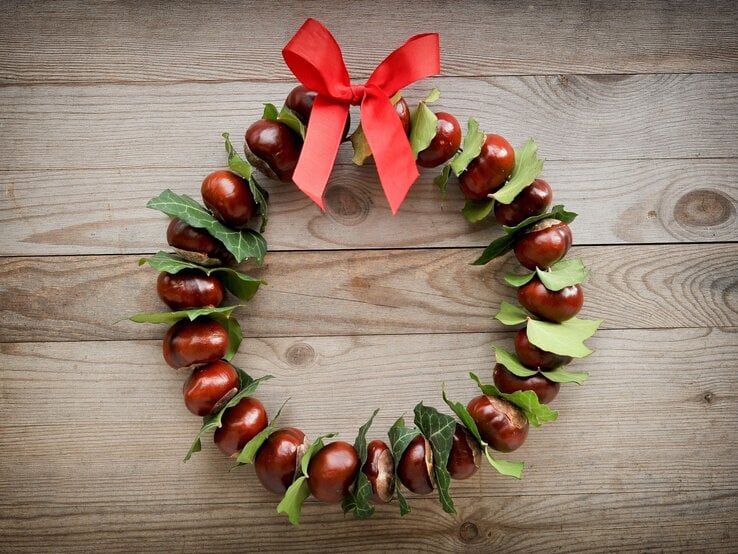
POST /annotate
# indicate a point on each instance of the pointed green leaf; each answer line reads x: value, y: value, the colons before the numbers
x: 475, y: 211
x: 527, y: 401
x: 423, y: 124
x: 511, y: 469
x: 495, y: 249
x: 400, y: 437
x: 237, y: 164
x: 518, y: 280
x: 433, y: 96
x: 562, y: 274
x: 359, y: 499
x: 441, y: 181
x: 512, y: 364
x: 439, y: 429
x: 248, y: 452
x: 360, y: 145
x: 294, y: 498
x: 527, y: 168
x: 470, y: 148
x: 560, y: 375
x: 316, y: 446
x: 557, y: 212
x: 270, y: 112
x: 173, y: 317
x: 235, y: 335
x: 510, y: 315
x: 566, y: 338
x: 292, y: 120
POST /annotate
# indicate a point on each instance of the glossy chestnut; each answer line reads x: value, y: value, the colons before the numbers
x: 557, y: 306
x: 488, y: 171
x: 332, y: 471
x: 532, y: 356
x: 508, y: 383
x: 209, y: 387
x: 544, y: 244
x: 228, y: 196
x: 277, y: 459
x: 501, y: 425
x: 445, y: 143
x: 189, y: 343
x: 463, y: 459
x: 532, y: 200
x: 301, y: 99
x: 196, y: 245
x: 380, y: 470
x: 239, y: 425
x: 273, y: 148
x: 189, y: 288
x: 415, y: 469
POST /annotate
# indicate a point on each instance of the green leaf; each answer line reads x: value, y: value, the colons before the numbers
x: 400, y: 437
x: 475, y: 211
x: 433, y: 96
x: 560, y: 375
x: 527, y: 401
x: 510, y: 315
x: 557, y: 212
x: 439, y: 429
x: 240, y: 284
x: 235, y: 335
x: 312, y: 451
x: 441, y: 181
x: 212, y: 422
x: 518, y: 280
x: 294, y: 498
x: 173, y: 317
x: 527, y: 168
x: 512, y: 364
x: 423, y: 124
x: 360, y: 145
x: 237, y: 164
x: 562, y: 274
x: 248, y: 452
x: 359, y: 499
x: 566, y: 338
x: 270, y: 112
x: 470, y: 148
x: 291, y: 119
x: 245, y: 243
x: 495, y: 249
x: 511, y: 469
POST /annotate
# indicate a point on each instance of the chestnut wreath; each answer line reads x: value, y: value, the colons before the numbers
x: 498, y: 182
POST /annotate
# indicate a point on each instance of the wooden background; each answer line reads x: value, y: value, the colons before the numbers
x: 635, y: 107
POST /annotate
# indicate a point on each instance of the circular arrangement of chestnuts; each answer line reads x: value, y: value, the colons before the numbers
x: 211, y: 240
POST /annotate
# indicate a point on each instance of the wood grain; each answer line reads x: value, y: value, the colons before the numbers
x: 371, y: 292
x: 586, y: 117
x: 61, y: 212
x: 61, y: 42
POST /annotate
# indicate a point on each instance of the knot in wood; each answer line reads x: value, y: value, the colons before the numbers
x: 703, y: 208
x: 347, y: 206
x: 300, y: 354
x: 468, y: 531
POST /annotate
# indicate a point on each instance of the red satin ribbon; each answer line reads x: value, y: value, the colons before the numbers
x: 315, y: 58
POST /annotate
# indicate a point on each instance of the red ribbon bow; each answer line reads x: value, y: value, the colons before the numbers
x: 315, y: 58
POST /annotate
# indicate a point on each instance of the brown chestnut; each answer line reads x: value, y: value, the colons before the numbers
x: 558, y: 306
x: 532, y: 200
x: 544, y: 244
x: 229, y: 197
x: 445, y: 143
x: 415, y: 469
x: 209, y: 387
x: 277, y: 459
x: 332, y: 471
x: 508, y: 383
x: 380, y: 470
x: 239, y: 425
x: 501, y: 424
x: 301, y: 99
x: 189, y: 343
x: 190, y: 288
x: 463, y: 460
x: 488, y: 171
x: 273, y: 148
x: 196, y: 245
x: 532, y: 356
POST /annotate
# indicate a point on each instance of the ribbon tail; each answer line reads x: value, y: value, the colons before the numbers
x: 318, y: 154
x: 390, y: 147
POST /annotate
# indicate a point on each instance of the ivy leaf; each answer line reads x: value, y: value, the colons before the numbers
x: 510, y: 469
x: 237, y: 164
x: 527, y: 168
x: 565, y: 338
x: 400, y: 437
x: 359, y: 499
x: 439, y: 429
x: 515, y: 280
x: 286, y: 116
x: 475, y: 211
x: 557, y: 212
x: 173, y: 317
x: 560, y: 375
x: 527, y: 401
x: 562, y: 274
x: 294, y: 498
x: 248, y: 452
x: 235, y: 335
x: 423, y: 124
x: 241, y: 285
x: 510, y: 315
x: 441, y: 181
x: 245, y: 243
x: 512, y: 364
x: 498, y: 247
x: 213, y: 421
x: 270, y: 112
x: 470, y: 148
x: 312, y: 451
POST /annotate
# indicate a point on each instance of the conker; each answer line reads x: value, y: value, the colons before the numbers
x: 380, y: 470
x: 196, y: 245
x: 508, y: 383
x: 445, y: 143
x: 532, y: 200
x: 501, y: 424
x: 209, y: 387
x: 415, y: 469
x: 532, y: 356
x: 188, y: 343
x: 301, y: 99
x: 239, y: 425
x: 544, y: 244
x: 551, y: 305
x: 228, y: 196
x: 463, y: 460
x: 189, y: 288
x: 488, y: 171
x: 332, y: 471
x: 277, y: 459
x: 273, y: 148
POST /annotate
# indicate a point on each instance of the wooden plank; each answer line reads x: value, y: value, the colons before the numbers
x: 664, y: 201
x: 137, y: 41
x: 371, y: 292
x: 179, y: 125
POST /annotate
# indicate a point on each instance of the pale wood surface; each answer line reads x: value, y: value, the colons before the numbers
x: 634, y: 105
